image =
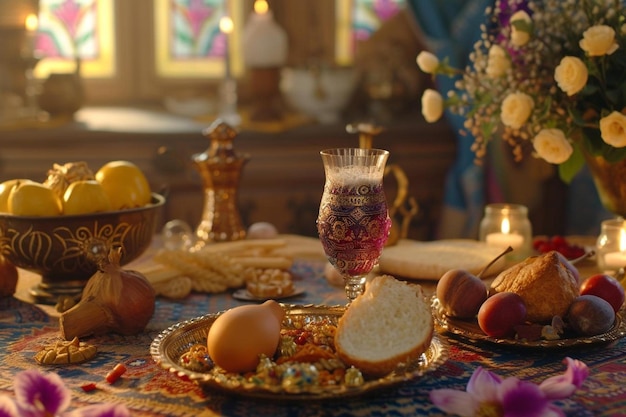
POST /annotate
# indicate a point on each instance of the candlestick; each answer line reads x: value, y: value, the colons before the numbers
x: 31, y: 24
x: 226, y: 27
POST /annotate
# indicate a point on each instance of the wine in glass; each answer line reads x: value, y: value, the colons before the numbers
x: 353, y: 222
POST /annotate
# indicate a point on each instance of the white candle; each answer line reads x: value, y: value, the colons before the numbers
x: 615, y: 260
x: 264, y: 41
x: 505, y: 240
x: 226, y: 26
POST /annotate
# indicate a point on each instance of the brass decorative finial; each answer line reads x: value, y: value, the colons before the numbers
x: 366, y: 132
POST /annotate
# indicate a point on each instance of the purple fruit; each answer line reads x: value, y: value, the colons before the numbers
x: 501, y: 313
x: 589, y: 315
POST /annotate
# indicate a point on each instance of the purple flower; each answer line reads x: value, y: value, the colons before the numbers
x: 562, y: 386
x: 45, y: 395
x: 40, y: 395
x: 489, y: 395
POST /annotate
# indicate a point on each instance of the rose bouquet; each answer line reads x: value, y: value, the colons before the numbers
x: 548, y: 77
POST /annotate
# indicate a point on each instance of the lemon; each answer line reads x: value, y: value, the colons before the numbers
x: 85, y: 196
x: 5, y: 190
x: 125, y: 184
x: 29, y: 198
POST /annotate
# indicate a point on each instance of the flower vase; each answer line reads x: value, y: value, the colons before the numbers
x: 610, y: 181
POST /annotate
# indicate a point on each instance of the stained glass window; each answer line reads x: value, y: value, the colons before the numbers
x: 357, y: 20
x: 189, y: 40
x: 76, y: 28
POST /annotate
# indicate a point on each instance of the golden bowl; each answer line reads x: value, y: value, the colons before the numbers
x: 65, y: 250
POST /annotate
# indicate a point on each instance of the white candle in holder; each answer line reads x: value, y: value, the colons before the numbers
x: 505, y: 238
x: 507, y: 225
x: 611, y: 245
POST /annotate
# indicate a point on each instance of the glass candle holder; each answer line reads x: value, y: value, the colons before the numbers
x: 611, y: 246
x: 505, y: 225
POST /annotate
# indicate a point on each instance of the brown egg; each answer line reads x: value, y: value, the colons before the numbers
x: 241, y: 334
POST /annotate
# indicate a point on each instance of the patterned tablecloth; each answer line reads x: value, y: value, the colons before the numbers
x: 149, y: 390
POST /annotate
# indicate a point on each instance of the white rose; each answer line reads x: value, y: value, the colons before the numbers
x: 516, y: 109
x: 432, y: 105
x: 427, y: 62
x: 571, y: 75
x: 498, y: 62
x: 613, y: 129
x: 520, y: 37
x: 552, y: 145
x: 599, y: 40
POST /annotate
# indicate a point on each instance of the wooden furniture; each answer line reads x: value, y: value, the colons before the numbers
x: 281, y: 183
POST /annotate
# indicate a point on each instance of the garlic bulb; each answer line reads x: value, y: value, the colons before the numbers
x: 114, y: 300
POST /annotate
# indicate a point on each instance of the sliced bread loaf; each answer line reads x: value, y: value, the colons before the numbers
x: 389, y: 324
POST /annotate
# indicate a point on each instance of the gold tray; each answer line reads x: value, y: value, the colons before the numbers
x: 170, y: 344
x: 469, y: 330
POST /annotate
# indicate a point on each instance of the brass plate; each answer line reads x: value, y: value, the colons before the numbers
x: 469, y: 329
x: 170, y: 344
x: 245, y: 295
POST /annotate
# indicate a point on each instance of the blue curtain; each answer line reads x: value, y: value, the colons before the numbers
x: 450, y: 29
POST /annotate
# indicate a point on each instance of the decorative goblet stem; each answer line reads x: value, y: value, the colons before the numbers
x: 354, y: 285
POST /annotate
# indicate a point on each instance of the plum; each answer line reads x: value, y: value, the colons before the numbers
x: 501, y: 313
x: 461, y: 293
x: 590, y: 315
x: 605, y: 287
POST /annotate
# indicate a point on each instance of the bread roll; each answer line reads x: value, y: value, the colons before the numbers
x: 544, y: 282
x: 389, y: 324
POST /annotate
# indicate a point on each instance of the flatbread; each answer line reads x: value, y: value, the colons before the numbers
x: 430, y: 260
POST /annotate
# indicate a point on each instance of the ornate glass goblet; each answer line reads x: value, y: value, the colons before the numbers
x: 353, y: 222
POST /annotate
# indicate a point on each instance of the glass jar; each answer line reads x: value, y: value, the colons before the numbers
x: 611, y: 246
x: 505, y: 225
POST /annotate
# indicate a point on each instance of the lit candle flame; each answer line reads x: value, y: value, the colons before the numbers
x: 32, y: 22
x: 505, y: 227
x: 226, y: 24
x: 261, y: 6
x: 622, y: 240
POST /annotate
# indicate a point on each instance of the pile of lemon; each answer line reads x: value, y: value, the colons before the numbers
x: 72, y: 188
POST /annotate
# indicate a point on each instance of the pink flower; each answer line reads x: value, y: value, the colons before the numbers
x: 489, y: 394
x: 45, y: 395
